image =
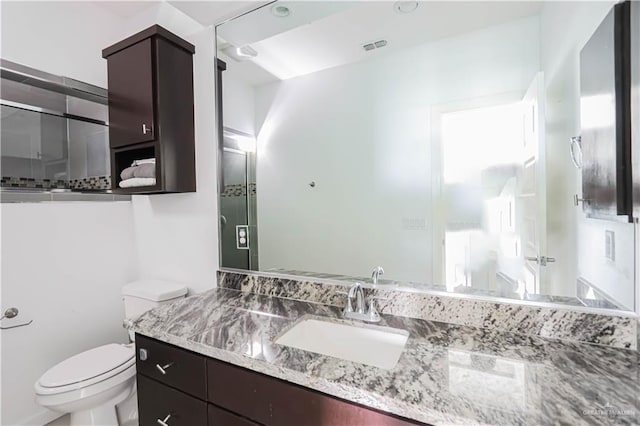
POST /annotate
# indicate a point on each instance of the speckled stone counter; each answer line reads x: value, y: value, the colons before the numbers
x: 605, y: 328
x: 447, y: 374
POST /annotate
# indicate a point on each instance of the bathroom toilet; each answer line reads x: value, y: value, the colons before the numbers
x: 97, y: 387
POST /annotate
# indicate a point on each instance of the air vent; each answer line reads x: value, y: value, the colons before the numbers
x: 374, y: 45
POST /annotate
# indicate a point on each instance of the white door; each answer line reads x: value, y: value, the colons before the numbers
x: 532, y: 188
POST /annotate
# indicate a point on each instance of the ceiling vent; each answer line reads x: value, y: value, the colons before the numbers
x: 374, y: 45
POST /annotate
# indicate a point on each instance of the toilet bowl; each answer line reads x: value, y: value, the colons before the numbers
x: 98, y: 386
x: 90, y: 385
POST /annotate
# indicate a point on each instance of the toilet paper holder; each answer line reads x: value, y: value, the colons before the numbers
x: 9, y: 314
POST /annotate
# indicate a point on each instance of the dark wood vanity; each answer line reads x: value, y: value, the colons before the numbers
x: 179, y: 387
x: 150, y: 79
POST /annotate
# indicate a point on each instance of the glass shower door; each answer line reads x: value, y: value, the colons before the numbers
x: 233, y: 208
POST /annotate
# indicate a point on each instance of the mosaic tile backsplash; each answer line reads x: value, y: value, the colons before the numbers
x: 91, y: 183
x: 239, y: 190
x: 88, y: 184
x: 31, y: 183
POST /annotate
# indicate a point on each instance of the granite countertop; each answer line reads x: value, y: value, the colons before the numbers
x: 447, y: 374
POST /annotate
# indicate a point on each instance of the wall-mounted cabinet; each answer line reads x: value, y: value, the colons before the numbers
x: 150, y: 84
x: 605, y: 118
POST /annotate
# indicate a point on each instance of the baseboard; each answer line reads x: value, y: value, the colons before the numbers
x: 39, y: 419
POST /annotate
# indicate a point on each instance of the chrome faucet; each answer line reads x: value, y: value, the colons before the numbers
x: 376, y: 273
x: 357, y: 292
x: 360, y: 313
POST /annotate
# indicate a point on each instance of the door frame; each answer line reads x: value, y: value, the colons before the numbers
x: 437, y: 162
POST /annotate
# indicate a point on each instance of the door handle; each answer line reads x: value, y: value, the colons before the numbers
x: 542, y: 260
x: 576, y: 151
x: 146, y: 129
x: 577, y: 200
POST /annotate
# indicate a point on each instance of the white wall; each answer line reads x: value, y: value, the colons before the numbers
x: 362, y: 133
x: 238, y: 100
x: 560, y: 50
x: 56, y: 36
x: 177, y: 234
x: 63, y: 264
x: 66, y: 263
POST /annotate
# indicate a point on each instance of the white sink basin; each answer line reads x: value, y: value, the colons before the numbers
x: 371, y: 345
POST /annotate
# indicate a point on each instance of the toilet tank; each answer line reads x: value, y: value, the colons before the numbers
x: 141, y: 296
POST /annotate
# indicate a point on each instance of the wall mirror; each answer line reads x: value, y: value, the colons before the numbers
x: 469, y: 147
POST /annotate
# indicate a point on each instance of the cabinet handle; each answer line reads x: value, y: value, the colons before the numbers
x: 164, y: 422
x: 146, y: 129
x: 163, y: 368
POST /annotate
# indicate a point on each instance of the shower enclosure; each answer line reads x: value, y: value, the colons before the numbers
x: 238, y: 225
x: 54, y: 132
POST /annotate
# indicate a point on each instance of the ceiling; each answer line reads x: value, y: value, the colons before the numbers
x: 211, y: 12
x: 126, y: 9
x: 214, y: 12
x: 322, y: 34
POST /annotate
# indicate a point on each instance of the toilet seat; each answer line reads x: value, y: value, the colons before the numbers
x: 88, y: 368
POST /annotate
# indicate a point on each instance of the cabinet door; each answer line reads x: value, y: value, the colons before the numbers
x: 220, y: 417
x: 159, y: 404
x: 604, y: 118
x: 131, y: 100
x: 273, y: 402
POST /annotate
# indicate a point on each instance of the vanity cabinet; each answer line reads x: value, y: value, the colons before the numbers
x: 170, y: 383
x: 150, y: 90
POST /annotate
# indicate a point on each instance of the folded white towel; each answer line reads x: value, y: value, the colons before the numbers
x: 143, y: 161
x: 135, y: 182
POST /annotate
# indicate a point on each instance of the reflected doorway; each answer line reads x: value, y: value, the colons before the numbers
x: 490, y: 206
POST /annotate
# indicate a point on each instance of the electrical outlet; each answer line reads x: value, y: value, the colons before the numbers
x: 414, y: 223
x: 610, y: 245
x: 242, y: 237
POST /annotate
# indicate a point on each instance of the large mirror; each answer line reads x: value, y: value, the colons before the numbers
x: 460, y: 146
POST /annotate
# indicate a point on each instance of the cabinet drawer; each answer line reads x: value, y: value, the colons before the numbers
x: 271, y: 401
x: 220, y: 417
x: 174, y: 366
x: 159, y: 403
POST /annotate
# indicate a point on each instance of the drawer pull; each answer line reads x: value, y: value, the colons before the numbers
x: 163, y: 369
x: 164, y: 422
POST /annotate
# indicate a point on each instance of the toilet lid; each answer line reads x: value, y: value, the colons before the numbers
x: 87, y: 365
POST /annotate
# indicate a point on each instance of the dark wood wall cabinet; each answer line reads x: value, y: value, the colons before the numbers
x: 150, y: 85
x: 605, y: 73
x: 181, y: 388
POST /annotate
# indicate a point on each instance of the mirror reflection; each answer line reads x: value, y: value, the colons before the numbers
x: 468, y: 147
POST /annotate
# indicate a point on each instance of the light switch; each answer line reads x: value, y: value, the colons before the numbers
x: 610, y: 245
x: 242, y: 237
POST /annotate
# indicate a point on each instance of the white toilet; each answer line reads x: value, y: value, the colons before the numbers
x: 98, y: 386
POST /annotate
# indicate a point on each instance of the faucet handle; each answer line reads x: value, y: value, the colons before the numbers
x: 348, y: 307
x: 373, y: 314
